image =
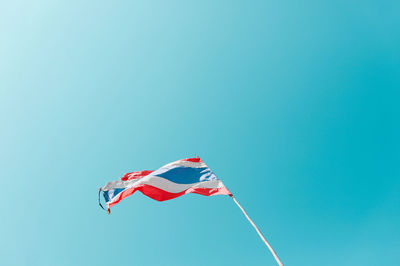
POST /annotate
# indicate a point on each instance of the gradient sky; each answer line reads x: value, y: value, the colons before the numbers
x: 293, y: 104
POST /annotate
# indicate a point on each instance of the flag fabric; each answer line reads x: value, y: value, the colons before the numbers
x: 175, y: 179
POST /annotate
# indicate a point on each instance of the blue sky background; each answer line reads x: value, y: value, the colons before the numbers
x: 293, y: 104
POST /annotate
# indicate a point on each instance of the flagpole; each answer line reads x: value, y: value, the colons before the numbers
x: 259, y: 232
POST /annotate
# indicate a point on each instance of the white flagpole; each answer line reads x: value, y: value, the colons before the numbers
x: 259, y: 232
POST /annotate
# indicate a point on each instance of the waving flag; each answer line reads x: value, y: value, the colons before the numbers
x: 175, y: 179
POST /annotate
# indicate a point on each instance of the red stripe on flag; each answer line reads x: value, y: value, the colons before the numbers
x: 161, y: 195
x: 193, y: 160
x: 136, y: 175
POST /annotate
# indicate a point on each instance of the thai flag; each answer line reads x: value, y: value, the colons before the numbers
x: 175, y: 179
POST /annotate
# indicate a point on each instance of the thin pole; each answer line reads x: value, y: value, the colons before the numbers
x: 259, y: 232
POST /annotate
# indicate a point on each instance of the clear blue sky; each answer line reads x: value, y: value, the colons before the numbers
x: 293, y: 104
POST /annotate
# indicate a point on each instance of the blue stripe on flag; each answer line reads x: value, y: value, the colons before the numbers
x: 185, y: 175
x: 109, y: 194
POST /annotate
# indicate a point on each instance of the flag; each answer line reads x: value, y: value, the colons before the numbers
x: 175, y: 179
